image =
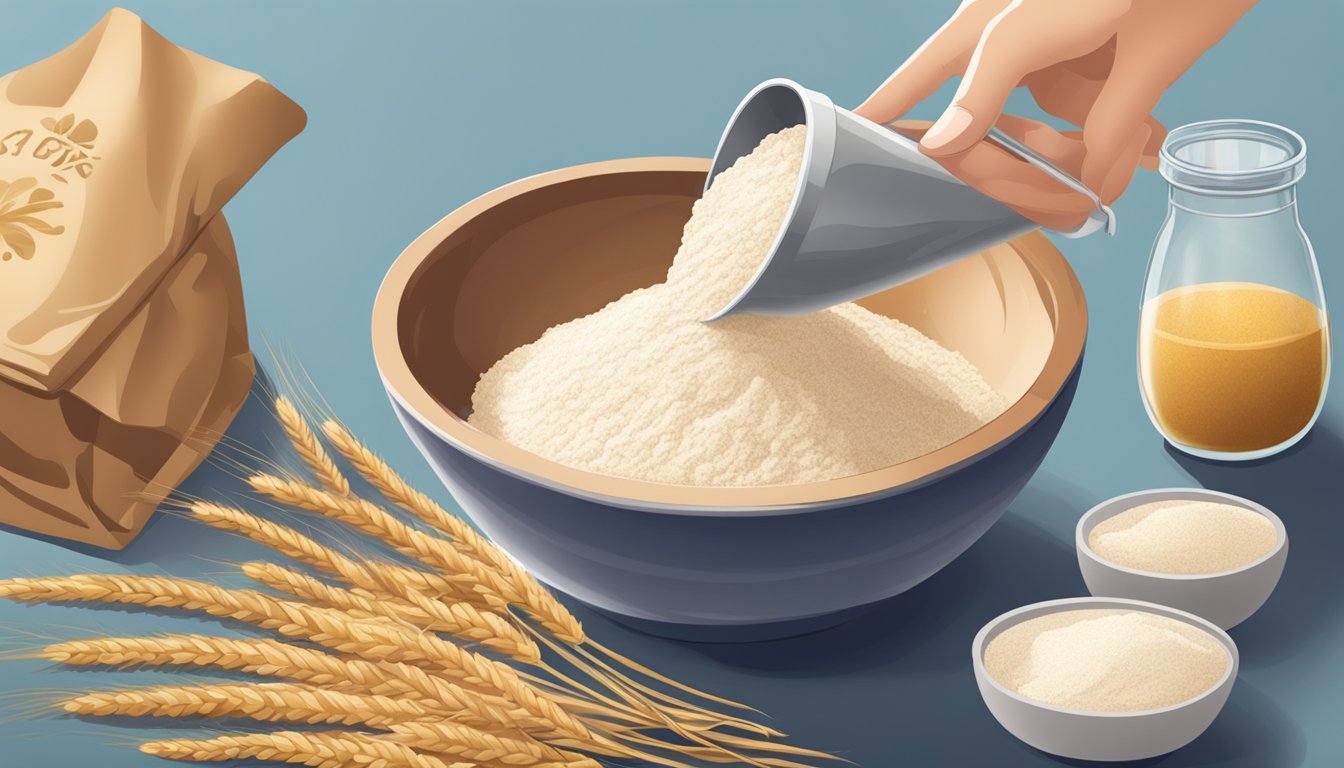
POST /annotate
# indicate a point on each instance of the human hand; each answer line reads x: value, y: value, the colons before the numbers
x: 1101, y: 65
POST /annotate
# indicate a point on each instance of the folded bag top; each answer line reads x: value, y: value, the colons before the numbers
x: 114, y: 155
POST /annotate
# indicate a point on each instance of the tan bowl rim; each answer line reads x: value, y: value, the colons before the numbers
x: 403, y: 386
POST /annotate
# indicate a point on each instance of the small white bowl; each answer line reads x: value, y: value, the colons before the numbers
x: 1226, y: 598
x: 1108, y: 736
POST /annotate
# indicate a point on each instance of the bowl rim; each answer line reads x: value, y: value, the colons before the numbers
x: 1053, y: 273
x: 1004, y: 621
x: 1127, y: 501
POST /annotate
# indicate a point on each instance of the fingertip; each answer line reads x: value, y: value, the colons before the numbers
x: 1122, y: 172
x: 870, y: 111
x: 1152, y: 150
x: 951, y: 133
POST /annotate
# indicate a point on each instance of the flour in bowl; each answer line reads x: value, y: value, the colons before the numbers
x: 643, y: 389
x: 1106, y: 660
x: 1181, y: 536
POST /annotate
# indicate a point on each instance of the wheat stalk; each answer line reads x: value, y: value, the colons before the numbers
x: 386, y: 578
x: 518, y: 587
x: 461, y: 620
x: 455, y: 587
x: 282, y: 539
x: 490, y: 585
x: 321, y: 750
x: 470, y: 744
x: 537, y: 599
x: 391, y: 485
x: 553, y: 720
x: 534, y: 597
x: 309, y: 447
x: 266, y: 657
x: 438, y: 701
x: 311, y: 590
x: 270, y: 702
x: 467, y: 621
x: 271, y: 658
x: 498, y: 590
x: 327, y: 627
x: 407, y: 585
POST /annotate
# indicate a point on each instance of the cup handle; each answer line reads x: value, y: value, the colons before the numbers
x: 1101, y: 218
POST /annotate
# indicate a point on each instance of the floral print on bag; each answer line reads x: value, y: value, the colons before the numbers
x: 22, y: 203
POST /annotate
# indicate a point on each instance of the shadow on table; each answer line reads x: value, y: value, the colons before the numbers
x: 930, y: 627
x: 920, y: 640
x: 1251, y: 731
x: 1301, y: 486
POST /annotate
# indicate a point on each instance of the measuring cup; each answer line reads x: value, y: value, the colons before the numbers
x: 871, y: 211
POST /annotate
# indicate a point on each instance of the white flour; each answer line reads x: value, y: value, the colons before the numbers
x: 1184, y: 537
x: 1100, y: 660
x: 642, y: 389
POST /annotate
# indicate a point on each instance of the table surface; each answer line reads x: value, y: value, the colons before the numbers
x: 415, y: 108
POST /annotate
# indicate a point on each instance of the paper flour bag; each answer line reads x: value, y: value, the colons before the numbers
x: 123, y: 343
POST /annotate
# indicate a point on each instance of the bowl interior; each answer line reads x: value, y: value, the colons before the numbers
x: 498, y: 272
x: 1112, y: 507
x: 1012, y: 618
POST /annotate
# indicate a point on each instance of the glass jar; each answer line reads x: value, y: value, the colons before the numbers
x: 1234, y: 341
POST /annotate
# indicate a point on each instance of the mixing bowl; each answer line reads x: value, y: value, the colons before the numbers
x: 724, y: 564
x: 1226, y: 598
x: 1108, y: 736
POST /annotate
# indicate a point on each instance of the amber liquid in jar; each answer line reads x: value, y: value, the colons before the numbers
x: 1232, y: 366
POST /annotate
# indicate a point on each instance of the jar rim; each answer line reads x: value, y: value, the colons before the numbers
x: 1233, y: 157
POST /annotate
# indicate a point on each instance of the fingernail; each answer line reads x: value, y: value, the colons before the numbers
x: 949, y: 126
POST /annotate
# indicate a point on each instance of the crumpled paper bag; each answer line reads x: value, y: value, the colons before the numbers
x: 123, y: 340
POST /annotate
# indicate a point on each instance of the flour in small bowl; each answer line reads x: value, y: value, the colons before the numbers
x: 643, y: 389
x: 1106, y: 660
x: 1186, y: 537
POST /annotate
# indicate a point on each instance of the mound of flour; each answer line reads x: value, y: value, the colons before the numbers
x: 1102, y: 660
x: 642, y: 389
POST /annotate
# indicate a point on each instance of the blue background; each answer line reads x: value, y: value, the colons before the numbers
x: 415, y: 108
